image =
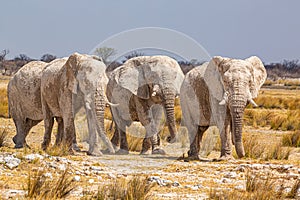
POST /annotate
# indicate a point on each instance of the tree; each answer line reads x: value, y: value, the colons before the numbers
x: 22, y: 57
x: 48, y: 57
x: 134, y: 54
x: 105, y: 53
x: 3, y: 54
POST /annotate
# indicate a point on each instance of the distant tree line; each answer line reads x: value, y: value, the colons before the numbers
x: 284, y: 70
x: 9, y: 67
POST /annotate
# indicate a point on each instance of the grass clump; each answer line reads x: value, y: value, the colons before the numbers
x: 58, y: 150
x: 39, y: 186
x: 3, y: 137
x: 135, y: 188
x: 292, y: 140
x: 257, y: 187
x: 255, y: 148
x: 3, y: 103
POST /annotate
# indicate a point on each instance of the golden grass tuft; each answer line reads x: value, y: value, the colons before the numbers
x: 257, y: 187
x: 292, y: 139
x: 3, y: 137
x: 3, y: 103
x: 257, y: 149
x: 61, y: 150
x: 135, y: 188
x: 39, y: 186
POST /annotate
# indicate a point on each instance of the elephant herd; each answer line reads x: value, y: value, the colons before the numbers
x: 142, y: 89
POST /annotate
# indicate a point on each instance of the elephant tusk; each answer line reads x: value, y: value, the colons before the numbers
x: 253, y: 103
x: 112, y: 104
x: 222, y: 103
x: 87, y: 105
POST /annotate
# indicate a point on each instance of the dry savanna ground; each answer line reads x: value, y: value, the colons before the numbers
x: 270, y: 170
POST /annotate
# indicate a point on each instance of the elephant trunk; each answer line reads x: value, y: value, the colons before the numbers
x: 100, y: 108
x: 237, y: 105
x: 169, y: 101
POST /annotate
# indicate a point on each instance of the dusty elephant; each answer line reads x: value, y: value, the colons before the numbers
x: 216, y: 93
x: 144, y: 87
x: 24, y: 100
x: 81, y: 75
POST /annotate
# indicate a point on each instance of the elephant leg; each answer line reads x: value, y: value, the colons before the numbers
x: 23, y: 129
x: 48, y: 123
x: 226, y: 142
x: 60, y: 131
x: 151, y: 119
x: 115, y: 140
x: 69, y: 132
x: 123, y: 142
x: 195, y: 140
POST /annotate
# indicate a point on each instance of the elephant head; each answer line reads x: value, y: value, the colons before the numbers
x: 86, y: 74
x: 153, y: 77
x: 234, y: 83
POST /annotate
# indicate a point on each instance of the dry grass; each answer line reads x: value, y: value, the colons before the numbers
x: 61, y: 150
x: 256, y: 148
x: 291, y: 139
x: 284, y: 120
x: 285, y: 82
x: 3, y: 137
x: 135, y: 188
x: 257, y: 187
x: 3, y: 103
x: 39, y: 186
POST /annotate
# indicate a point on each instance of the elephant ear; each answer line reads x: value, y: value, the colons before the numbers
x: 259, y: 75
x: 213, y: 79
x: 131, y: 76
x: 72, y: 66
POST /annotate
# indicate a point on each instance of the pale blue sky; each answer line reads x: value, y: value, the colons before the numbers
x: 269, y: 29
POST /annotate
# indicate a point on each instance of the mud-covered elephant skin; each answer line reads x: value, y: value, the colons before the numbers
x: 60, y: 83
x: 24, y: 100
x: 216, y: 93
x: 144, y: 87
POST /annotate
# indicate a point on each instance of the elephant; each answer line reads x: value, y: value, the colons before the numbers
x: 216, y: 94
x: 144, y: 87
x: 62, y: 82
x: 24, y: 100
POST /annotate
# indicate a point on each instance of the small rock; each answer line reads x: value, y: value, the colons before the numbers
x: 32, y: 157
x: 175, y: 184
x: 112, y: 175
x: 77, y: 173
x: 12, y: 162
x: 62, y: 167
x: 76, y: 178
x: 96, y: 168
x: 91, y: 181
x: 232, y: 175
x: 48, y: 175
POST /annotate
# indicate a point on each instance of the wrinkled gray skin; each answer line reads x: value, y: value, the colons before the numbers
x: 216, y: 93
x: 144, y: 87
x: 24, y: 100
x: 61, y: 81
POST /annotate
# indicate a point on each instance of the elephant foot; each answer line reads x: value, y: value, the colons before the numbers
x: 76, y: 147
x: 95, y: 153
x: 225, y: 158
x: 146, y: 152
x: 122, y: 152
x: 158, y: 151
x: 19, y: 145
x: 107, y: 151
x: 192, y: 157
x: 171, y: 140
